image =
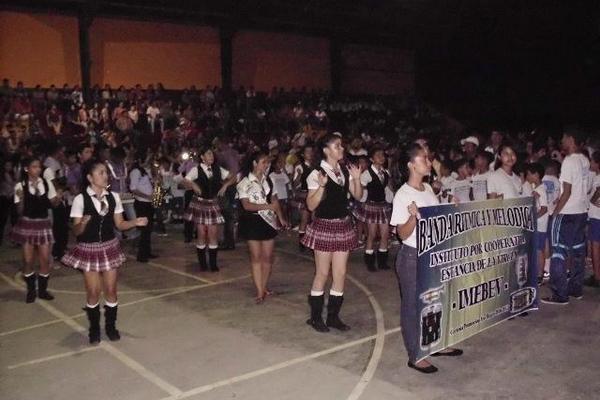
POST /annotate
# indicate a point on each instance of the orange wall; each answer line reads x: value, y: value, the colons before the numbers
x: 264, y: 60
x: 377, y: 70
x: 128, y: 52
x: 39, y: 49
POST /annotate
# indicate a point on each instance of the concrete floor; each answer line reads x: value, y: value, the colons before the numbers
x: 200, y: 336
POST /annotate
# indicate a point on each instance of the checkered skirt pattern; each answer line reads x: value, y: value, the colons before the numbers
x: 95, y: 257
x: 357, y: 210
x: 203, y: 212
x: 330, y: 235
x: 376, y: 213
x: 32, y: 231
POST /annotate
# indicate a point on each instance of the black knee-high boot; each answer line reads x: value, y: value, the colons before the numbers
x: 316, y: 311
x: 93, y: 315
x: 333, y: 313
x: 43, y: 288
x: 202, y: 258
x: 382, y: 257
x: 212, y: 259
x: 110, y: 320
x: 31, y: 294
x: 370, y: 262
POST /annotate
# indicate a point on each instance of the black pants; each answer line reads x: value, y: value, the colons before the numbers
x: 60, y: 230
x: 144, y: 209
x: 6, y: 207
x: 229, y: 215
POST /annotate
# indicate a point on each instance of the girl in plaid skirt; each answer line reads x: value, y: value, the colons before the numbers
x: 209, y: 182
x: 301, y: 172
x: 96, y: 212
x: 330, y: 234
x: 34, y: 195
x: 376, y: 210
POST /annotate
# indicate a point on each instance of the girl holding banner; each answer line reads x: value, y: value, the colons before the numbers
x: 405, y: 213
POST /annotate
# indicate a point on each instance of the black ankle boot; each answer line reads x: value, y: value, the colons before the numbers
x: 333, y: 313
x: 110, y: 320
x: 212, y: 259
x: 93, y: 315
x: 301, y: 247
x: 370, y: 262
x: 316, y: 311
x: 31, y: 293
x: 202, y: 258
x: 43, y: 288
x: 382, y: 257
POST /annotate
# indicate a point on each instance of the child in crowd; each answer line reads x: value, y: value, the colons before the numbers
x: 281, y: 182
x: 534, y: 175
x: 460, y: 190
x: 594, y: 222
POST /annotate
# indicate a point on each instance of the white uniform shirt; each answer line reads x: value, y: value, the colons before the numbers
x: 193, y: 174
x: 575, y: 170
x: 140, y: 183
x: 403, y: 198
x: 253, y: 189
x: 552, y: 185
x: 313, y: 178
x: 40, y: 187
x: 78, y: 204
x: 501, y: 183
x: 366, y: 178
x: 542, y: 201
x: 280, y: 181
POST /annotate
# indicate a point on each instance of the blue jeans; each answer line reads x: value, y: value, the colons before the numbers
x: 567, y: 239
x: 406, y: 273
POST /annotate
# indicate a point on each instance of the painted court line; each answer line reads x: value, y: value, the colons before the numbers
x: 125, y: 359
x: 54, y: 357
x: 175, y: 271
x: 377, y: 353
x: 276, y: 367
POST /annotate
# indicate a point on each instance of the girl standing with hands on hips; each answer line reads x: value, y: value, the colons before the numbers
x: 330, y: 234
x: 405, y: 213
x: 34, y: 196
x: 96, y: 212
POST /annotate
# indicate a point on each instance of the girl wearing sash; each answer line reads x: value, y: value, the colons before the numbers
x: 405, y: 214
x: 375, y: 180
x: 259, y: 220
x: 96, y: 212
x: 330, y: 234
x: 208, y: 183
x: 34, y: 196
x: 301, y: 172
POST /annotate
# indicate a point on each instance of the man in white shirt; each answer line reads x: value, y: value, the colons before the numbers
x: 568, y: 236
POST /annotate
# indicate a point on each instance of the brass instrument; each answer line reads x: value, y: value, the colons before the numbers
x: 158, y: 193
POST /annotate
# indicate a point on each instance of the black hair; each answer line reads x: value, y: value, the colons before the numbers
x: 248, y: 163
x: 485, y: 154
x: 118, y: 153
x: 204, y: 148
x: 460, y: 163
x: 84, y: 146
x: 324, y: 142
x: 411, y: 152
x: 26, y: 162
x: 535, y: 168
x: 374, y: 150
x: 86, y: 169
x: 596, y: 156
x: 578, y: 135
x: 504, y: 145
x: 553, y: 165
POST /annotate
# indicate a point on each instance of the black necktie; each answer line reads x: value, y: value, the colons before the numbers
x: 102, y: 204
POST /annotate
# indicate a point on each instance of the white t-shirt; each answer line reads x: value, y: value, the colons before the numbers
x: 552, y: 185
x: 460, y: 190
x: 575, y: 170
x: 77, y: 207
x: 500, y: 183
x: 542, y: 201
x: 40, y: 187
x: 594, y: 211
x: 402, y: 199
x: 479, y: 183
x: 446, y: 182
x: 280, y: 181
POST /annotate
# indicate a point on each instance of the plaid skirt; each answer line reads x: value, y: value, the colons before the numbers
x: 32, y: 231
x: 330, y: 235
x: 376, y: 213
x: 95, y: 257
x: 357, y: 209
x: 299, y: 201
x: 204, y: 212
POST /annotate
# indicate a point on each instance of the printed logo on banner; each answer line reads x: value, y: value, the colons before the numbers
x: 476, y: 267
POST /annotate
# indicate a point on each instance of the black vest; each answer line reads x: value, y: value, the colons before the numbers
x: 334, y: 203
x: 306, y: 170
x: 35, y: 207
x: 376, y: 188
x: 99, y: 228
x: 209, y: 186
